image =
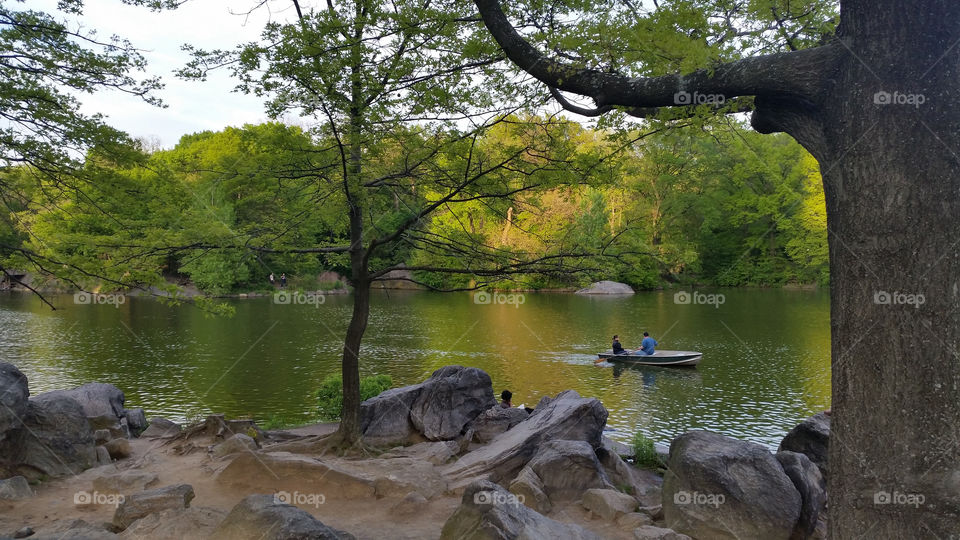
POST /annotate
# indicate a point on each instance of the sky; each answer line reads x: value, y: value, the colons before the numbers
x: 192, y: 106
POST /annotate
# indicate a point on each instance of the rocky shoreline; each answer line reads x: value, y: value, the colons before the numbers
x: 78, y: 464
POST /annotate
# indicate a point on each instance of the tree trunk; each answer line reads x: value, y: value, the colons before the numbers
x: 886, y: 133
x: 350, y: 368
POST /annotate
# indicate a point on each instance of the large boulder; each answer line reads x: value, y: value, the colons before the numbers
x: 143, y: 503
x: 194, y: 523
x: 607, y: 287
x: 720, y: 487
x: 438, y: 408
x: 265, y: 517
x: 56, y: 439
x: 495, y: 421
x: 528, y: 488
x: 235, y: 444
x: 161, y: 428
x: 568, y: 417
x: 487, y: 511
x: 136, y: 420
x: 438, y: 453
x: 812, y: 439
x: 567, y: 469
x: 14, y: 395
x: 294, y: 472
x: 15, y: 488
x: 809, y: 482
x: 96, y: 399
x: 608, y: 503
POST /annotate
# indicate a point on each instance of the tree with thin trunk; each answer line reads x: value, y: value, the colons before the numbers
x: 877, y: 103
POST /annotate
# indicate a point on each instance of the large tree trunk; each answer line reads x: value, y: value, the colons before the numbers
x: 891, y: 176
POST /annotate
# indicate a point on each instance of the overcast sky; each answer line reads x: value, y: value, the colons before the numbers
x: 192, y: 106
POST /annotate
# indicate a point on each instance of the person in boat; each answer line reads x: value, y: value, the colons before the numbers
x: 617, y: 347
x: 647, y: 345
x: 505, y: 398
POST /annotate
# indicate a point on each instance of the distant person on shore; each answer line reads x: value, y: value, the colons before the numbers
x: 273, y: 282
x: 283, y: 280
x: 617, y: 347
x: 647, y: 345
x: 505, y: 398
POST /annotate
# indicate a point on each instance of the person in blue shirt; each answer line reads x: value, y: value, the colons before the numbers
x: 647, y: 345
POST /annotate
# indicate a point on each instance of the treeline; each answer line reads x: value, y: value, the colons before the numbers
x: 223, y: 210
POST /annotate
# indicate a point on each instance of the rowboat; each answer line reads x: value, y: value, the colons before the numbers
x: 658, y: 358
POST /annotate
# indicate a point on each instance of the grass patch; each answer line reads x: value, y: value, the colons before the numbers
x: 644, y: 454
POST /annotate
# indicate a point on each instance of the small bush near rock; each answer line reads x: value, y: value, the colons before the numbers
x: 330, y: 394
x: 644, y: 454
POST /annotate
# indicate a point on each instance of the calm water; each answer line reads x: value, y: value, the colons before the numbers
x: 765, y: 353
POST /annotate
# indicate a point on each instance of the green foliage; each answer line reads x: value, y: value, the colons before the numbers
x: 644, y: 454
x: 330, y: 394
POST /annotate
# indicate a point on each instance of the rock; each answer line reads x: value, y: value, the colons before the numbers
x: 642, y: 484
x: 161, y: 428
x: 609, y: 503
x: 23, y: 532
x: 77, y: 529
x: 655, y: 512
x: 487, y: 511
x: 194, y: 523
x: 809, y: 482
x: 236, y: 443
x: 568, y: 416
x: 263, y: 517
x: 294, y: 472
x: 116, y: 427
x: 438, y: 408
x: 15, y: 488
x: 412, y: 503
x: 812, y: 439
x: 607, y: 287
x: 143, y: 503
x: 136, y: 420
x: 633, y: 520
x: 118, y: 448
x: 649, y: 532
x: 101, y: 436
x: 624, y: 451
x: 56, y: 439
x: 96, y: 399
x: 220, y: 428
x: 14, y: 396
x: 720, y: 487
x: 398, y: 476
x: 495, y: 421
x: 103, y: 456
x: 528, y: 488
x: 567, y: 469
x: 438, y: 453
x: 125, y: 482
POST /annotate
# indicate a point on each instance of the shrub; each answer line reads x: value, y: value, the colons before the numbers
x: 644, y: 454
x: 330, y: 394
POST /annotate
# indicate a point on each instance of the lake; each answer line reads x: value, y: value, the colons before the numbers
x: 765, y: 367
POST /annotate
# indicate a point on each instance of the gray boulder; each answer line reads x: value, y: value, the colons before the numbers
x: 14, y: 395
x: 567, y: 469
x: 609, y: 504
x: 194, y: 523
x: 495, y: 421
x: 568, y: 416
x: 125, y: 482
x: 809, y: 482
x: 812, y: 439
x: 385, y: 419
x: 117, y: 427
x: 487, y: 511
x: 236, y: 443
x: 15, y: 488
x: 161, y: 428
x: 528, y: 488
x: 56, y: 439
x: 607, y: 287
x: 143, y: 503
x: 438, y: 453
x: 720, y: 487
x: 264, y: 517
x: 96, y: 399
x: 136, y: 420
x: 411, y: 504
